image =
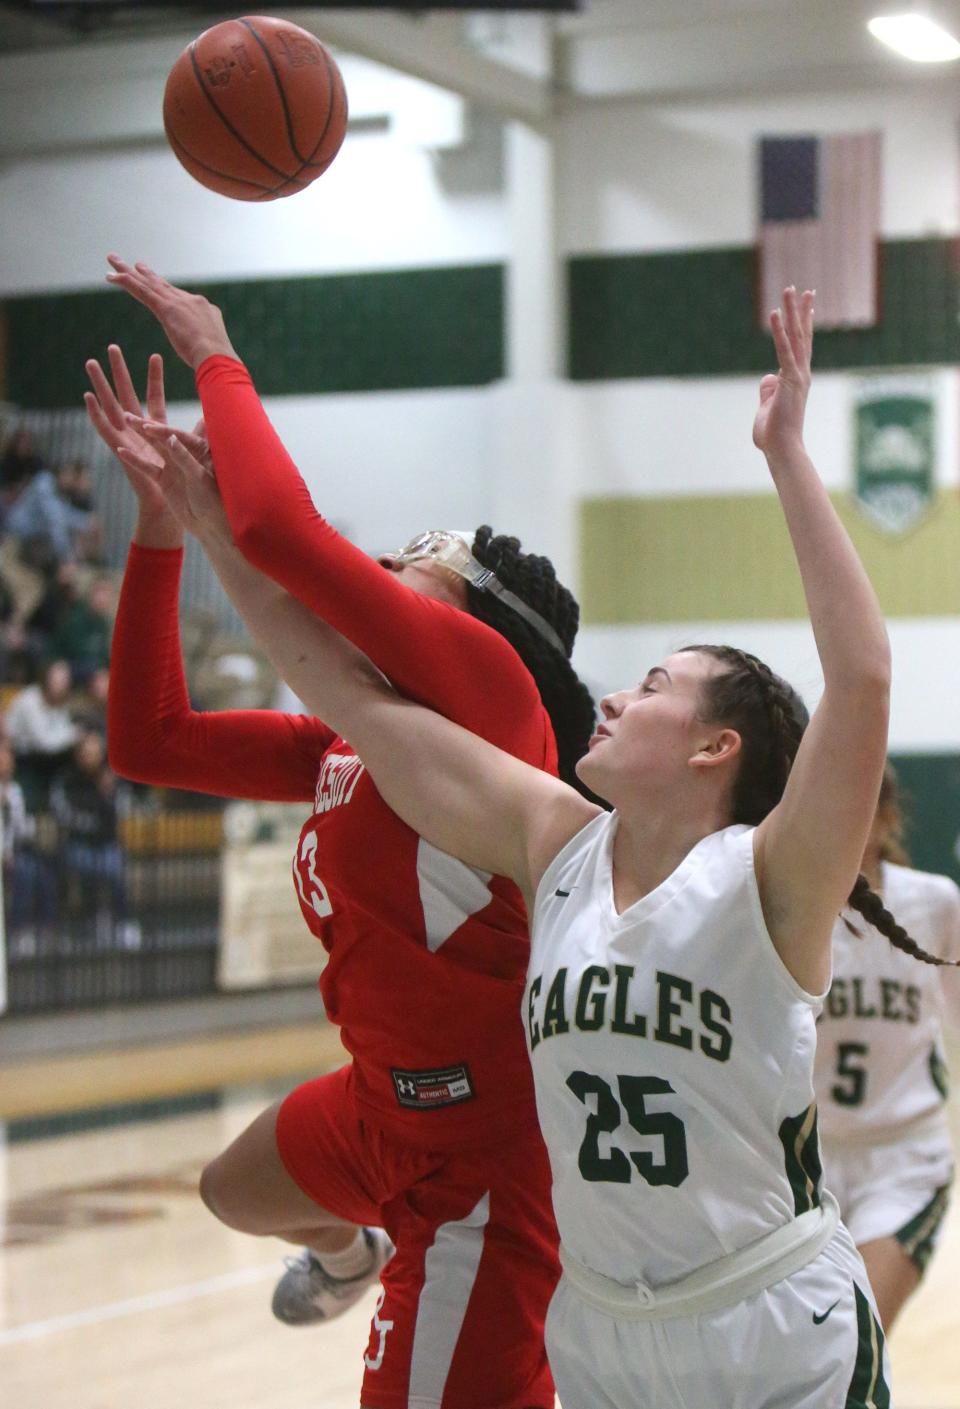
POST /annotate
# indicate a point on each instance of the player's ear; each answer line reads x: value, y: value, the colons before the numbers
x: 719, y: 748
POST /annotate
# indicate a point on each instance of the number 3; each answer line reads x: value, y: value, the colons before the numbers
x: 312, y: 890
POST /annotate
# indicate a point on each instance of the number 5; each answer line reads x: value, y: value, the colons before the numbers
x: 853, y: 1094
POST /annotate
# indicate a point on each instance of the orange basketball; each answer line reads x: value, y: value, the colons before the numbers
x: 255, y: 108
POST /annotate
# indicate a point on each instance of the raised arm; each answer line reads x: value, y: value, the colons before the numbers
x: 808, y: 849
x: 154, y: 736
x: 459, y: 792
x: 276, y: 526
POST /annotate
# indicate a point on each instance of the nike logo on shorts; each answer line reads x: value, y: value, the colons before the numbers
x: 819, y: 1320
x: 562, y: 894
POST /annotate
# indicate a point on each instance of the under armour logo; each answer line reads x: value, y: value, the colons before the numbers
x: 407, y: 1087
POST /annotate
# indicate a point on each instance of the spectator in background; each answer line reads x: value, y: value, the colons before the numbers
x: 18, y: 464
x: 53, y: 516
x: 16, y: 665
x: 89, y: 537
x: 41, y: 731
x: 83, y: 800
x: 90, y: 707
x: 82, y: 635
x: 59, y: 595
x: 29, y: 874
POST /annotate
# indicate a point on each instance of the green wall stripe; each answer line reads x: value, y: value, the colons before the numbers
x: 688, y: 313
x: 693, y: 313
x: 930, y: 784
x: 411, y: 328
x: 729, y: 558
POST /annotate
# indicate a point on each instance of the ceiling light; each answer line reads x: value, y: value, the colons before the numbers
x: 915, y: 37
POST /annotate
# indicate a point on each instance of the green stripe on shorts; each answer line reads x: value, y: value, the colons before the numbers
x: 868, y: 1388
x: 918, y: 1238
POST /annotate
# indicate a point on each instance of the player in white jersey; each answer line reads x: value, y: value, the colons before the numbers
x: 880, y: 1075
x: 681, y: 949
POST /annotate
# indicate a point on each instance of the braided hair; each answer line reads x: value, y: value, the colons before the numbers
x: 873, y: 910
x: 770, y: 718
x: 533, y: 579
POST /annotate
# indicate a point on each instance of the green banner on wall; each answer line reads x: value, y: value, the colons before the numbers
x: 895, y: 447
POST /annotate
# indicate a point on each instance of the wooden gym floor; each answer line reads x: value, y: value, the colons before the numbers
x: 118, y: 1289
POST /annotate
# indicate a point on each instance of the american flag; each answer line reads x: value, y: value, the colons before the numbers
x: 820, y: 224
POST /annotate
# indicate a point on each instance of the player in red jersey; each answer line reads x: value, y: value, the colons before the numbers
x: 430, y: 1132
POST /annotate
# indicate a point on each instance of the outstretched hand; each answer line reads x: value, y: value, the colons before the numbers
x: 186, y: 484
x: 113, y: 411
x: 778, y: 427
x: 193, y: 324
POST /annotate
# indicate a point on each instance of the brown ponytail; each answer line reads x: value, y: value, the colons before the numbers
x: 770, y: 718
x: 868, y: 903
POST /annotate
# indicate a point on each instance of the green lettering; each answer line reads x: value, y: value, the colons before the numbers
x: 597, y: 1001
x: 667, y: 985
x: 554, y: 1012
x: 860, y: 1008
x: 719, y: 1050
x: 889, y: 990
x: 637, y: 1025
x: 912, y: 995
x: 532, y: 1024
x: 838, y: 1002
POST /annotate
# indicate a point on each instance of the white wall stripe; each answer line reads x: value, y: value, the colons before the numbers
x: 926, y: 666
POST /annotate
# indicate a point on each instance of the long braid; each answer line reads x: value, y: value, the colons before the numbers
x: 770, y: 718
x: 566, y: 699
x: 867, y: 902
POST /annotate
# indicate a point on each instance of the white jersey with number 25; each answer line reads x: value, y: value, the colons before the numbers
x: 672, y: 1054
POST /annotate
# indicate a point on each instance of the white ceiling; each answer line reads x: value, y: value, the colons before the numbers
x: 659, y: 48
x: 525, y: 65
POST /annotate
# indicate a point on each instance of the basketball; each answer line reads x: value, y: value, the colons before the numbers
x: 255, y: 108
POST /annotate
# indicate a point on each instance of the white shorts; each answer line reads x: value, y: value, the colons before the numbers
x: 812, y: 1341
x: 892, y: 1191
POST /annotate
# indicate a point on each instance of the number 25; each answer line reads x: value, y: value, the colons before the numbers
x: 615, y: 1168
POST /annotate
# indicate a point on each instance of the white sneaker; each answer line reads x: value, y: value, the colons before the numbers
x: 307, y: 1293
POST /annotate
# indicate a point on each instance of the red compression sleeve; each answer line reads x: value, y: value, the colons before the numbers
x: 431, y: 651
x: 153, y: 734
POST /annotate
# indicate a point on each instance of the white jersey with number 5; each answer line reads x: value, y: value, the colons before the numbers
x: 880, y: 1072
x: 673, y: 1060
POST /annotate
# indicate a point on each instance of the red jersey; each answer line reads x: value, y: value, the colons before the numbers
x: 427, y: 956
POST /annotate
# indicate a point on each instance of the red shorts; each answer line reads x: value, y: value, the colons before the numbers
x: 459, y: 1324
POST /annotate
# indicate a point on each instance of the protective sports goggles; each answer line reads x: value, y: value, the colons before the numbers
x: 451, y: 548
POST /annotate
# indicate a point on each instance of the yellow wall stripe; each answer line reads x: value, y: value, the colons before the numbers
x: 728, y: 558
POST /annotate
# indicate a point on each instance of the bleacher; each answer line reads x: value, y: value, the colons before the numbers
x: 135, y: 914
